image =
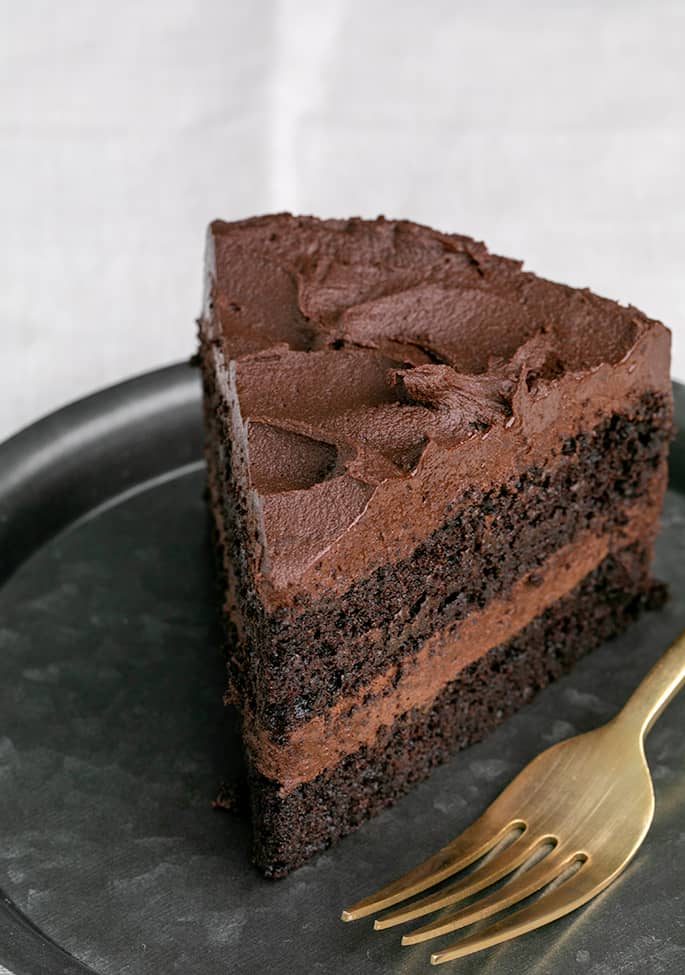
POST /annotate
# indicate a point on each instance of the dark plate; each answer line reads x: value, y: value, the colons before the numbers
x: 113, y: 738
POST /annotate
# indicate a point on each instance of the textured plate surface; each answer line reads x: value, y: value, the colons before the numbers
x: 113, y: 738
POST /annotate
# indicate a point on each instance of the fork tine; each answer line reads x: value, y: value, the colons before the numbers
x: 565, y: 898
x: 476, y: 840
x: 520, y: 887
x: 500, y: 865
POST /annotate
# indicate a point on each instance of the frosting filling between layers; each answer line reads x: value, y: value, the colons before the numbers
x: 356, y: 720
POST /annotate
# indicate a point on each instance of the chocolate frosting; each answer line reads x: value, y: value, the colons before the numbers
x: 371, y: 368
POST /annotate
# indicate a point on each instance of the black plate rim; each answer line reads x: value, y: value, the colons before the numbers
x: 57, y: 459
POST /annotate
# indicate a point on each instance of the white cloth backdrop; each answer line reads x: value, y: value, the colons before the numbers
x: 555, y: 131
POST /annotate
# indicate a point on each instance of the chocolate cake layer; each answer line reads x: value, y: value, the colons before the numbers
x: 356, y: 718
x: 317, y: 813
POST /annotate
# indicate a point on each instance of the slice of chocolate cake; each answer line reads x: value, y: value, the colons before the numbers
x: 435, y: 479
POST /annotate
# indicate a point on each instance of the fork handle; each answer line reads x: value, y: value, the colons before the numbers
x: 657, y: 689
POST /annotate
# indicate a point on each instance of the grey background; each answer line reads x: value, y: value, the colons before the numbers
x: 554, y: 131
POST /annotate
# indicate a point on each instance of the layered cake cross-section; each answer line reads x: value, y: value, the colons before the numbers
x: 435, y: 480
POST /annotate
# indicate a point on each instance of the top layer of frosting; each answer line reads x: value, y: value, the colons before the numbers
x: 369, y: 362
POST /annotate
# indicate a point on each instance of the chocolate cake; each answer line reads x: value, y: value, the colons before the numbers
x: 435, y: 481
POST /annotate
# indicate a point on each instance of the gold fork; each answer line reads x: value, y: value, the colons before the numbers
x: 581, y: 809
